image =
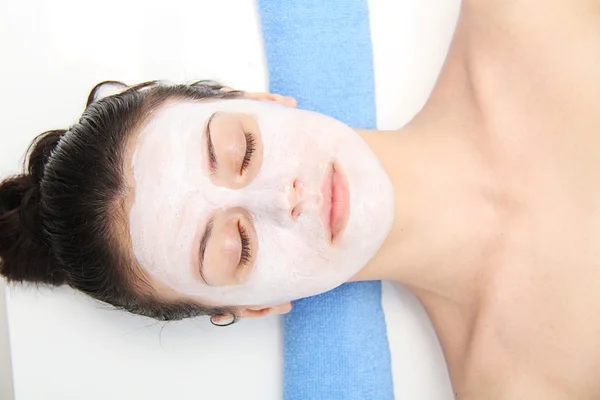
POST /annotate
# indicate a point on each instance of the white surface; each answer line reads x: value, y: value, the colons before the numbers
x: 65, y: 346
x: 6, y: 382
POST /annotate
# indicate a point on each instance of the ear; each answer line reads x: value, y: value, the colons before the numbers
x: 274, y: 98
x: 105, y: 89
x: 253, y: 312
x: 270, y: 97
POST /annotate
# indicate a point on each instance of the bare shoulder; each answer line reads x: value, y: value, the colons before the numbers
x: 534, y: 56
x: 518, y: 10
x: 523, y: 22
x: 546, y: 49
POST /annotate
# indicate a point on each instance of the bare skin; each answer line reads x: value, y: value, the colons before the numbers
x: 498, y: 202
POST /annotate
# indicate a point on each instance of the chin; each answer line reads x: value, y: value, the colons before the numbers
x: 371, y: 212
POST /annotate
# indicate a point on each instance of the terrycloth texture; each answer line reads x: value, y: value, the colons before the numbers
x: 319, y: 51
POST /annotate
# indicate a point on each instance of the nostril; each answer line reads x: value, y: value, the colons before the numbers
x: 298, y: 187
x: 295, y: 213
x: 295, y: 192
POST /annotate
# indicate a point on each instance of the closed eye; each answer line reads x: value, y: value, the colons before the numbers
x: 250, y: 148
x: 245, y: 256
x: 212, y: 157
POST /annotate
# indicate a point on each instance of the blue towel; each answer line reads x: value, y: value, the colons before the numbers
x: 319, y: 51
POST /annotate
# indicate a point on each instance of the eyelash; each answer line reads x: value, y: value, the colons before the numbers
x: 212, y: 159
x: 245, y: 240
x: 250, y: 147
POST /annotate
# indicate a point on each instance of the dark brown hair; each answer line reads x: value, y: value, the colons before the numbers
x: 57, y: 218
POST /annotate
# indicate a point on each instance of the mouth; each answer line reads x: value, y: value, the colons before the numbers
x: 335, y: 207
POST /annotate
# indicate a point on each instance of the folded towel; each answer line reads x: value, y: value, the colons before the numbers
x: 335, y: 344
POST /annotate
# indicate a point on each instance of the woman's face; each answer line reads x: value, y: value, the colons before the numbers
x: 244, y: 202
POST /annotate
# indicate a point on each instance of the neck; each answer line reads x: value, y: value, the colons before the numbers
x: 445, y: 219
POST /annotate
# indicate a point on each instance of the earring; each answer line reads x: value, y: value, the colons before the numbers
x: 214, y: 321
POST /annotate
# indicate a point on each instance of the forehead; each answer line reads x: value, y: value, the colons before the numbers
x: 166, y: 117
x: 170, y: 118
x: 174, y: 115
x: 172, y: 112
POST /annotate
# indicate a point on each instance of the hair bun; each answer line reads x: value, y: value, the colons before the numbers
x: 24, y: 253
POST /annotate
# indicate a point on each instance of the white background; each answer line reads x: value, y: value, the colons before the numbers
x: 65, y: 346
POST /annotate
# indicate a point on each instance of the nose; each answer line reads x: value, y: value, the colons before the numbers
x: 295, y: 193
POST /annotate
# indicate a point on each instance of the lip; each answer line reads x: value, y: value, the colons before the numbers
x: 335, y: 206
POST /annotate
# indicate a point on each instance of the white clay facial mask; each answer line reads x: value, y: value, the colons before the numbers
x: 244, y: 214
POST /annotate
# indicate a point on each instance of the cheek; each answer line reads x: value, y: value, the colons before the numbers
x: 292, y: 247
x: 296, y: 141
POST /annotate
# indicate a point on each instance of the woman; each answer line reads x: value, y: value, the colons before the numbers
x: 175, y: 201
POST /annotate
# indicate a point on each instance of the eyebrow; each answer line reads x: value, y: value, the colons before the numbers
x: 203, y: 243
x: 212, y: 158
